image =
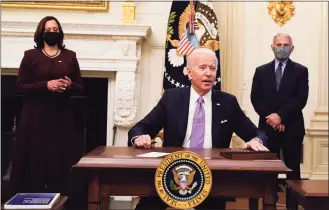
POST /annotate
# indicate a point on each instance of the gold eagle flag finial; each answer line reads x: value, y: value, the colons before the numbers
x: 191, y: 26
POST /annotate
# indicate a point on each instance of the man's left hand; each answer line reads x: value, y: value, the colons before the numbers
x: 255, y: 145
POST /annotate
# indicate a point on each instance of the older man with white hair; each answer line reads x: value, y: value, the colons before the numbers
x: 279, y: 94
x: 196, y: 117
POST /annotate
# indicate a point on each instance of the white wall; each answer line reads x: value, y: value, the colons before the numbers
x: 154, y: 14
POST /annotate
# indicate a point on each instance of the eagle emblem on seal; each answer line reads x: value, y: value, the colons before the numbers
x: 183, y: 178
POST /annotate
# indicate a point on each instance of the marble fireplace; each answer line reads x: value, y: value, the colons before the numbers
x: 103, y: 51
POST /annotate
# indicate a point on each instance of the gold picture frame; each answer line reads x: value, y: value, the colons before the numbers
x: 92, y: 5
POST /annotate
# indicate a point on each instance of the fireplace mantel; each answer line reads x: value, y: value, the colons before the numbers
x: 110, y: 51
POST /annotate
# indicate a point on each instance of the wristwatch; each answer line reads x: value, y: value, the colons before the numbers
x: 259, y: 140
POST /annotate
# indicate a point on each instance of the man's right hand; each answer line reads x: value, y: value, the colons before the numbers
x: 143, y: 141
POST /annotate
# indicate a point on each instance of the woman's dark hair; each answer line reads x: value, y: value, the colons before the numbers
x: 38, y: 35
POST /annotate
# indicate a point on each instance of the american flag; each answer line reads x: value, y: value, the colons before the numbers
x: 185, y: 47
x: 196, y: 13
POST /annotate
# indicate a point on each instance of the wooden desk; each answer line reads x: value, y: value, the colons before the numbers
x: 117, y: 171
x: 311, y: 194
x: 58, y: 205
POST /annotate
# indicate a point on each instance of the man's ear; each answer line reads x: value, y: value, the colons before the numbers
x: 292, y: 48
x: 189, y: 73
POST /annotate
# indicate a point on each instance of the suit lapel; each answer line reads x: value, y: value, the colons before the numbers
x: 286, y: 74
x: 216, y: 117
x: 183, y: 111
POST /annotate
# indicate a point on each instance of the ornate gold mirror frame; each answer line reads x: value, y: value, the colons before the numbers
x: 95, y: 6
x: 281, y: 11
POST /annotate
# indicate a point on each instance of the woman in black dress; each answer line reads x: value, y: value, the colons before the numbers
x: 46, y: 145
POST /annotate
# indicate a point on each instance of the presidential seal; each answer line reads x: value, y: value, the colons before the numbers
x: 183, y: 180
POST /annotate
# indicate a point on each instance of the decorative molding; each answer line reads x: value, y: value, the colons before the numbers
x: 320, y: 145
x: 117, y: 31
x: 125, y: 106
x: 315, y: 150
x: 75, y: 36
x: 281, y: 11
x: 154, y: 46
x: 9, y: 71
x: 320, y: 119
x: 129, y: 12
x: 16, y: 34
x: 316, y: 176
x: 317, y: 132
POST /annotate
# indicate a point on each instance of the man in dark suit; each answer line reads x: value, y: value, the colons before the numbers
x: 196, y: 117
x: 279, y: 93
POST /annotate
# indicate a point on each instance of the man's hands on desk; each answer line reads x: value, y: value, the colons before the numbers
x: 255, y: 145
x: 144, y: 141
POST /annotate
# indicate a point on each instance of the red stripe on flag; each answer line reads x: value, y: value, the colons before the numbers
x: 185, y: 47
x: 182, y: 42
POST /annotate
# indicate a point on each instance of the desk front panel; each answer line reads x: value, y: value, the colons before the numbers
x: 140, y: 182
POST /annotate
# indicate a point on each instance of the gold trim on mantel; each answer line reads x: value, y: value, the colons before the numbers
x: 281, y: 11
x: 92, y: 6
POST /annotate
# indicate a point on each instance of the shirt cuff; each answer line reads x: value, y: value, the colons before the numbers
x: 132, y: 140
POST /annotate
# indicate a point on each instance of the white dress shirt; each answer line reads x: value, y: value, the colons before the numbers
x: 208, y: 113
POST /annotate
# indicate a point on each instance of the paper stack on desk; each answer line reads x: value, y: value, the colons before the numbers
x: 153, y: 154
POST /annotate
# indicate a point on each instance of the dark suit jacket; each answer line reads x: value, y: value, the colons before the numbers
x: 171, y: 113
x: 287, y: 102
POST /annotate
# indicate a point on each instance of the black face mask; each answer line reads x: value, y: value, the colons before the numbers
x: 52, y: 38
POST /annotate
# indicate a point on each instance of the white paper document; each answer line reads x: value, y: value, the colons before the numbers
x: 153, y: 154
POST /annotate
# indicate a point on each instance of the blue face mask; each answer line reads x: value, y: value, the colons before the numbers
x: 281, y: 53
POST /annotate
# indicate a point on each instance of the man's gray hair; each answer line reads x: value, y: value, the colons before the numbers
x: 198, y: 51
x: 283, y: 35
